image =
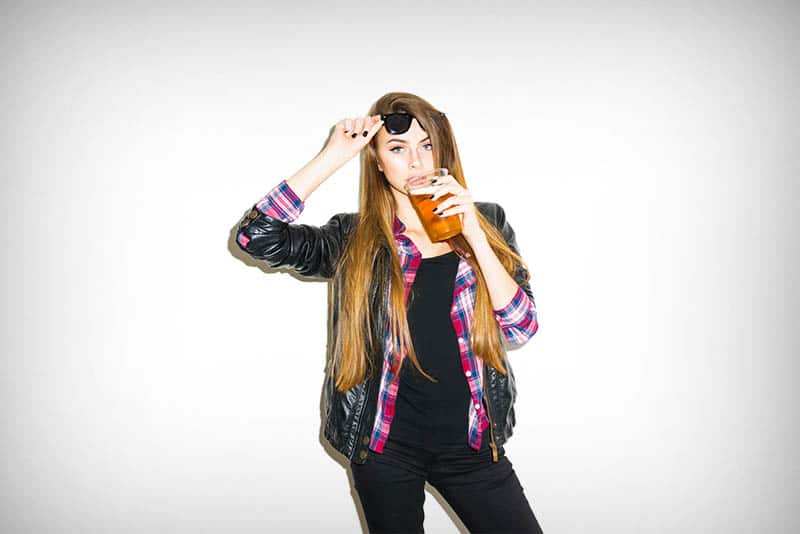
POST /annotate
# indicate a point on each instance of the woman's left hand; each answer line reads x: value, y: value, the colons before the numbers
x: 460, y: 203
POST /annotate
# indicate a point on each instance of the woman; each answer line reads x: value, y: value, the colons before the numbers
x: 446, y: 307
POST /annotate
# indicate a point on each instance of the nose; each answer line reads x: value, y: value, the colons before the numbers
x: 415, y: 161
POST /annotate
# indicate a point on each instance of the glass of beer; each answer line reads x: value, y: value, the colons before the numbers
x: 419, y: 189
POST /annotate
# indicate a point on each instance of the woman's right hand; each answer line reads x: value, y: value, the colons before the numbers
x: 349, y: 136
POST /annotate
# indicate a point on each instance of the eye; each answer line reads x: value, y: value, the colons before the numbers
x: 400, y: 147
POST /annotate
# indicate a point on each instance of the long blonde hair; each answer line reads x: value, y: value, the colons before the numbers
x: 374, y: 232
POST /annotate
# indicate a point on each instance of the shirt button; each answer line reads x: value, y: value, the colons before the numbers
x: 365, y: 440
x: 468, y: 373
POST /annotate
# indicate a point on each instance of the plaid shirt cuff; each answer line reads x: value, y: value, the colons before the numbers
x: 517, y: 319
x: 281, y: 203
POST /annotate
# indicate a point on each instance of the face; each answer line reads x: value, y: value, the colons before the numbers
x: 400, y: 156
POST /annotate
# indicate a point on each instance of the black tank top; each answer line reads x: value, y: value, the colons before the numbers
x: 432, y: 413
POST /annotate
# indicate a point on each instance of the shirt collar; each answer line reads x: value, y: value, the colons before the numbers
x: 399, y: 227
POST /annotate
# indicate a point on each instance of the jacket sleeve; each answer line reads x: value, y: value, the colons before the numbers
x: 517, y: 319
x: 267, y: 233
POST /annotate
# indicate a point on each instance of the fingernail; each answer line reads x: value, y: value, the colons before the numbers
x: 354, y: 134
x: 436, y: 208
x: 365, y: 133
x: 431, y: 196
x: 433, y: 181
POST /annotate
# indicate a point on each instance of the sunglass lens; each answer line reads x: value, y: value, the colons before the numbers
x: 397, y: 123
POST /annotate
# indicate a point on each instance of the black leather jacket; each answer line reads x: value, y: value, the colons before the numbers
x: 313, y: 252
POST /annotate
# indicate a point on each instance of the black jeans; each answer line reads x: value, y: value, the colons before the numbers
x: 486, y: 496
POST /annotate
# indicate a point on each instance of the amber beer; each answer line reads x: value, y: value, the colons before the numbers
x: 419, y: 189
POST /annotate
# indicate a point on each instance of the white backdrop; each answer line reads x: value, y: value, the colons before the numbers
x: 155, y: 381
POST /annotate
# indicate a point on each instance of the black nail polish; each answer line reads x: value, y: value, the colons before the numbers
x: 431, y: 196
x: 354, y: 134
x: 434, y: 209
x: 365, y: 133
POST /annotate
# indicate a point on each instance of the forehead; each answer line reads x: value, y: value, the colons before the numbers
x: 414, y: 134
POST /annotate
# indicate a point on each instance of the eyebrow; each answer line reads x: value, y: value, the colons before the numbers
x: 396, y: 140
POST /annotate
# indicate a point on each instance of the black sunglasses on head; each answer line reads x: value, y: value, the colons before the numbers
x: 398, y: 123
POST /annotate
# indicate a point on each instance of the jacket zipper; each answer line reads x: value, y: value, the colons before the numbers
x: 492, y: 444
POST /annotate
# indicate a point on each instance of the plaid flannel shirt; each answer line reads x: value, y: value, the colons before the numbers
x: 517, y: 321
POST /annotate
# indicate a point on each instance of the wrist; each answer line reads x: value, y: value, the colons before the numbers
x: 331, y: 159
x: 477, y: 241
x: 317, y: 170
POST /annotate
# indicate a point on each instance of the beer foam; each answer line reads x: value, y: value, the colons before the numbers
x: 427, y: 190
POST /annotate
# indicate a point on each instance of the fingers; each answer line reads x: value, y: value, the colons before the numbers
x: 376, y: 126
x: 457, y: 200
x: 452, y: 211
x: 362, y: 126
x: 452, y: 204
x: 351, y: 126
x: 358, y: 127
x: 446, y: 184
x: 444, y: 180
